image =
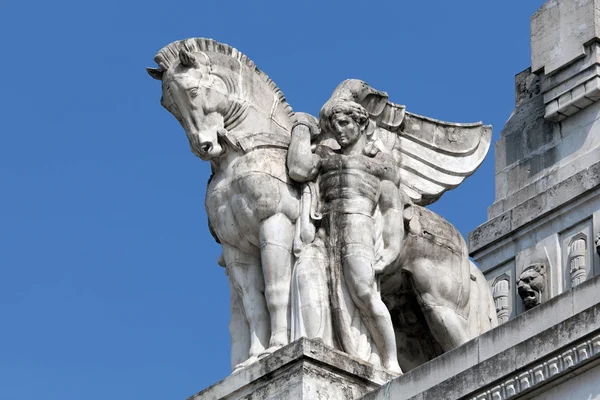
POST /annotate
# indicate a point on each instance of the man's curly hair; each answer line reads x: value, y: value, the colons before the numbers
x: 347, y: 107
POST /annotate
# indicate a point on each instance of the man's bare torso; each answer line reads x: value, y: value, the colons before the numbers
x: 352, y: 184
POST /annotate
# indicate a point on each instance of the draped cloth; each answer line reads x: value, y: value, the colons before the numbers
x: 350, y: 332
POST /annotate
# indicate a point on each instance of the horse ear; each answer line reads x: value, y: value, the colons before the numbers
x: 155, y: 73
x: 186, y: 58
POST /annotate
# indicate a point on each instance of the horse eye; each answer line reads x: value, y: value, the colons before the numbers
x: 194, y: 92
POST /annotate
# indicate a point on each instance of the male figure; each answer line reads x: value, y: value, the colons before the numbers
x: 353, y: 181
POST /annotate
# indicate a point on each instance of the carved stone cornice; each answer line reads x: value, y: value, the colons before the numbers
x: 573, y: 88
x: 541, y: 372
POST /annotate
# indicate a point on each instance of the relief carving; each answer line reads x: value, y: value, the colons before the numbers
x: 532, y: 285
x: 500, y: 292
x: 578, y: 259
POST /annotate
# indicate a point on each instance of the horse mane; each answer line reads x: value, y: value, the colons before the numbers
x: 168, y: 55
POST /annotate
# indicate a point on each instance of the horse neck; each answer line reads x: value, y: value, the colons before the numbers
x: 223, y: 164
x: 259, y: 121
x: 252, y: 122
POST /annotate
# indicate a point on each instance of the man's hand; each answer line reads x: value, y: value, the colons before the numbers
x: 384, y: 260
x: 301, y: 162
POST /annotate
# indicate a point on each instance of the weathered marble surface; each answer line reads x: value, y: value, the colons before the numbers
x: 547, y: 206
x: 305, y: 369
x: 539, y: 351
x: 322, y: 221
x: 531, y: 285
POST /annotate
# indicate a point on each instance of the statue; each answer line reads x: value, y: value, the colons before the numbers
x: 532, y: 284
x: 354, y: 181
x: 230, y: 111
x: 322, y: 222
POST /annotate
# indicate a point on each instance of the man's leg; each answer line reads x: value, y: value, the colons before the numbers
x: 357, y: 263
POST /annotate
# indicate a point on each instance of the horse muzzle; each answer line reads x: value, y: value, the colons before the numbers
x: 205, y: 150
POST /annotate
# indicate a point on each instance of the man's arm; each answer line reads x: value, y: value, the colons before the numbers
x: 390, y: 203
x: 302, y: 163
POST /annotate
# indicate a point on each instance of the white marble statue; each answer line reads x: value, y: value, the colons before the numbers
x: 230, y: 111
x: 322, y: 223
x: 353, y: 182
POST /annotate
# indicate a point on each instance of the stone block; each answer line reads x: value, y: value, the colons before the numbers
x: 527, y: 86
x: 552, y: 110
x: 421, y: 378
x: 579, y: 97
x: 559, y: 30
x: 489, y: 232
x: 524, y: 326
x: 537, y: 360
x: 483, y: 374
x: 586, y: 295
x: 305, y: 369
x: 500, y: 159
x: 592, y: 89
x: 566, y: 106
x: 496, y: 209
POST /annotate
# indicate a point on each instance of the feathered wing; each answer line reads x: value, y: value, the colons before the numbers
x: 433, y: 156
x: 436, y: 156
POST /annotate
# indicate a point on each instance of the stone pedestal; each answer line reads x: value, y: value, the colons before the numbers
x: 305, y: 369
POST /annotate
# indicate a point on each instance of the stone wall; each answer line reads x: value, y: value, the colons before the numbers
x: 547, y: 159
x: 543, y: 352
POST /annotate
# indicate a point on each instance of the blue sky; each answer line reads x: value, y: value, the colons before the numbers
x: 109, y: 286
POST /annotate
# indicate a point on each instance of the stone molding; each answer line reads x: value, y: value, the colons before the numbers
x: 565, y: 54
x: 536, y: 208
x: 574, y: 88
x: 574, y: 100
x: 546, y: 331
x: 552, y: 367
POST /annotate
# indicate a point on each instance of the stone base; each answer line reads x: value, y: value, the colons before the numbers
x: 305, y: 369
x: 549, y: 352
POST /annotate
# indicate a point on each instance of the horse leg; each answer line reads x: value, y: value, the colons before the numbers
x: 442, y: 301
x: 276, y: 237
x: 246, y: 277
x: 239, y: 330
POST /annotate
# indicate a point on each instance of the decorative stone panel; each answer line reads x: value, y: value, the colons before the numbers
x: 501, y: 293
x: 577, y: 253
x: 502, y: 282
x: 550, y: 368
x: 578, y: 259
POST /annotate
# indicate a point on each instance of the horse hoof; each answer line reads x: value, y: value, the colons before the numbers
x: 268, y: 352
x: 245, y: 364
x: 237, y: 368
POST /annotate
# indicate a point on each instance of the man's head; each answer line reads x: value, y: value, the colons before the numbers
x: 346, y: 120
x: 531, y: 285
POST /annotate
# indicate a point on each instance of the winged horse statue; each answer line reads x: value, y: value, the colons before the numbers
x: 237, y: 119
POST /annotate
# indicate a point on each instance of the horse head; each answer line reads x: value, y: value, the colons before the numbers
x: 218, y: 96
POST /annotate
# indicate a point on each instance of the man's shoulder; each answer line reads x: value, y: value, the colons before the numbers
x: 385, y: 158
x: 322, y: 149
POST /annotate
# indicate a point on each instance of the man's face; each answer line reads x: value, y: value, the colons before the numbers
x: 346, y: 130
